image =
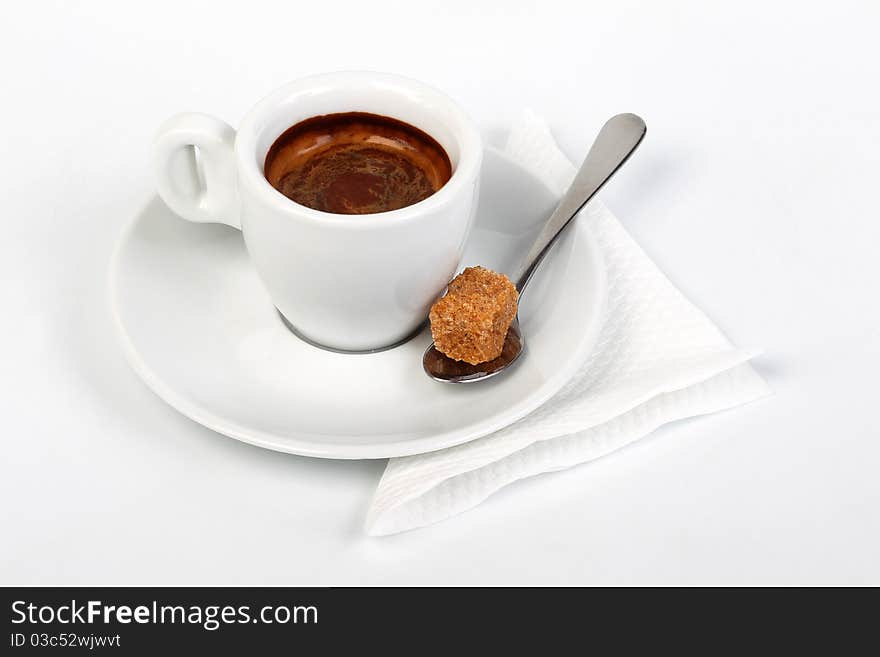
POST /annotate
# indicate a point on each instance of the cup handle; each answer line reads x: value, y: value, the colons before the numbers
x: 195, y: 168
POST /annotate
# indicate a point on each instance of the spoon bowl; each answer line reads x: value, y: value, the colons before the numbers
x: 441, y: 367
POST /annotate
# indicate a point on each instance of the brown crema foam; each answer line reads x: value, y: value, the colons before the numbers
x: 356, y: 163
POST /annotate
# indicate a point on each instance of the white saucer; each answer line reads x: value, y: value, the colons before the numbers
x: 198, y: 327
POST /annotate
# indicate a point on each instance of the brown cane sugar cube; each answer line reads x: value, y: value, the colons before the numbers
x: 471, y: 321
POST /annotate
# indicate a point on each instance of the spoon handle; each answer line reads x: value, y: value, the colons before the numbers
x: 616, y: 141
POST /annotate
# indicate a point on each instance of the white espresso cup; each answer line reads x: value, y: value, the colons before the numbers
x: 345, y: 282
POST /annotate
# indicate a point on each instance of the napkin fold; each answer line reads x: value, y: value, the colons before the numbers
x: 658, y: 359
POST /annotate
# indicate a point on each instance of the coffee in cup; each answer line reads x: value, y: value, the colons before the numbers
x: 356, y: 163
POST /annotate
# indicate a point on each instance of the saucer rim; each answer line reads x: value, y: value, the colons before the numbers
x: 311, y: 444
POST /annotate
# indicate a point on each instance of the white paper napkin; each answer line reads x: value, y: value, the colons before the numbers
x: 658, y: 359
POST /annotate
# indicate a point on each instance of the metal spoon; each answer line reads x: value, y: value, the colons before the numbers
x: 616, y: 141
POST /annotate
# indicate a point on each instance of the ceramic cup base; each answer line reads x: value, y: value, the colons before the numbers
x: 290, y: 327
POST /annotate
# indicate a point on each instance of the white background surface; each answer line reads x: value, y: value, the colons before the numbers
x: 756, y: 191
